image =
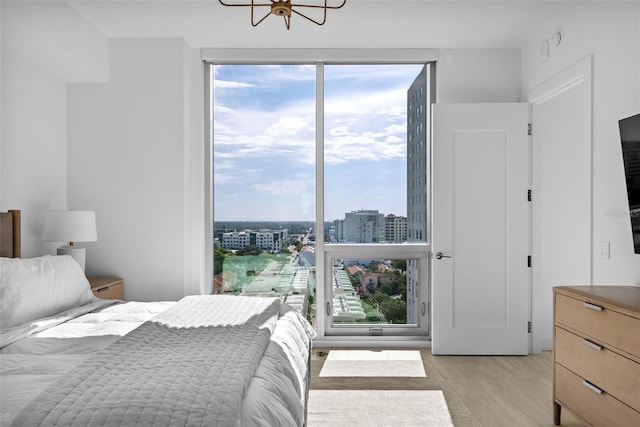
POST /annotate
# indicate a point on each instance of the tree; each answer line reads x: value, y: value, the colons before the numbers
x: 219, y: 254
x: 395, y: 310
x: 373, y: 266
x: 400, y: 264
x: 355, y: 279
x: 390, y: 288
x: 249, y: 250
x: 381, y: 297
x: 402, y: 290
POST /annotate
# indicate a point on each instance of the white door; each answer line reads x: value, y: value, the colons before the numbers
x: 481, y: 228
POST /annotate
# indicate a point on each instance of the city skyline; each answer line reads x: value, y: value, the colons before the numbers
x: 264, y: 136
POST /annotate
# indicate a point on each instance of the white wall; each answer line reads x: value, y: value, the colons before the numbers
x: 478, y: 75
x: 130, y: 161
x: 611, y: 33
x: 34, y: 165
x: 37, y: 62
x: 130, y: 145
x: 614, y: 44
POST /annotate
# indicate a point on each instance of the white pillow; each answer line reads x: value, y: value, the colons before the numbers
x: 32, y: 288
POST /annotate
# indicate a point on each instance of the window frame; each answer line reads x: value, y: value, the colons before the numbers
x: 326, y: 334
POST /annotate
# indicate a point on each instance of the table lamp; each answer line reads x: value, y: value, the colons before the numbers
x: 71, y: 226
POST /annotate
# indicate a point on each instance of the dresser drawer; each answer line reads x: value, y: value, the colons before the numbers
x: 600, y: 409
x: 604, y: 325
x: 616, y: 374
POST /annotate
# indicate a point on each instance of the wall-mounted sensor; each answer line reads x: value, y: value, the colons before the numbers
x: 544, y: 51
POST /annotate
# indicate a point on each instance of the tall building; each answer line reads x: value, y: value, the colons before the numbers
x: 364, y: 226
x: 417, y: 161
x: 338, y: 231
x: 395, y: 228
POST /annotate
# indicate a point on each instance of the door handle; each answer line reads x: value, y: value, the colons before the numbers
x: 440, y: 255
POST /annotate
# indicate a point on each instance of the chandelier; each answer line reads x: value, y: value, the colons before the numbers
x: 286, y: 8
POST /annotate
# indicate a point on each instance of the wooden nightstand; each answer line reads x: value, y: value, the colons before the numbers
x: 107, y: 287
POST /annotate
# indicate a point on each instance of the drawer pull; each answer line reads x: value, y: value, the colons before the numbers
x: 592, y: 345
x: 592, y: 306
x: 106, y: 288
x: 591, y: 387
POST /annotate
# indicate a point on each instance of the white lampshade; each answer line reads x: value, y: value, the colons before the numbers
x: 71, y: 227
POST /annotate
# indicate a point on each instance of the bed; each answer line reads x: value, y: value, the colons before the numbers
x: 68, y: 358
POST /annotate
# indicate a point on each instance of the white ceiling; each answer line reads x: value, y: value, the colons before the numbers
x: 360, y: 23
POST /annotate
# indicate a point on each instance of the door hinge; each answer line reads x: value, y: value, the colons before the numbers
x: 529, y: 195
x: 529, y: 129
x: 528, y: 260
x: 529, y: 327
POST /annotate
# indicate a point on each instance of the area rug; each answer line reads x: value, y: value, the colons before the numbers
x: 370, y: 408
x: 371, y: 363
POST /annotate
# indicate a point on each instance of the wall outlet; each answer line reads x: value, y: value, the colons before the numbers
x: 605, y: 250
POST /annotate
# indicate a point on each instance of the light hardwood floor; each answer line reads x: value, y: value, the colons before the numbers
x: 511, y: 391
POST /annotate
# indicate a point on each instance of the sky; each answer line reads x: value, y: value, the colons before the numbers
x: 264, y: 120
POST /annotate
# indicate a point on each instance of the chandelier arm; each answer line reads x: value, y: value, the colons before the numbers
x: 324, y: 18
x: 320, y: 7
x: 252, y: 4
x: 287, y: 22
x: 261, y: 19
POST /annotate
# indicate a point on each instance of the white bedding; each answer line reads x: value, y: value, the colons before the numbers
x: 275, y: 396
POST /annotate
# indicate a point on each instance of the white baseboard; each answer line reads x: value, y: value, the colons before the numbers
x: 546, y: 343
x: 357, y: 342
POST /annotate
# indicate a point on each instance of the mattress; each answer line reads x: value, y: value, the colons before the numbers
x: 85, y: 354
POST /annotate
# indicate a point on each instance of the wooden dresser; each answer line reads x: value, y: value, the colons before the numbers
x: 597, y: 354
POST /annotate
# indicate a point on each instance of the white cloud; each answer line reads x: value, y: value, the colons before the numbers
x: 280, y: 73
x: 369, y: 126
x: 286, y: 132
x: 288, y: 187
x: 366, y: 146
x: 289, y: 126
x: 224, y: 84
x: 391, y: 102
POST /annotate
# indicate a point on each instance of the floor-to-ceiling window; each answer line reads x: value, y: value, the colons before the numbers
x: 375, y: 190
x: 320, y: 190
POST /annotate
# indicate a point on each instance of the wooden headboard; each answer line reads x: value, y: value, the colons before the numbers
x: 10, y: 234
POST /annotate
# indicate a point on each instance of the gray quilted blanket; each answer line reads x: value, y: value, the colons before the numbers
x: 188, y: 366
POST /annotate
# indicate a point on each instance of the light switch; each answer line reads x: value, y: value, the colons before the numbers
x: 605, y: 250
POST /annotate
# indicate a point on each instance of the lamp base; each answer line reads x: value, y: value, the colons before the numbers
x: 77, y: 253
